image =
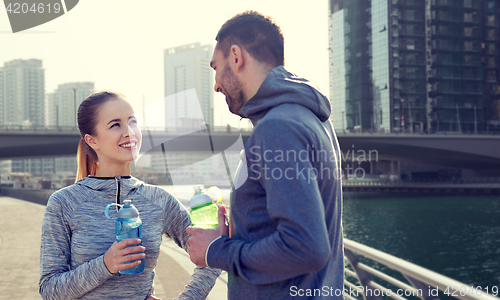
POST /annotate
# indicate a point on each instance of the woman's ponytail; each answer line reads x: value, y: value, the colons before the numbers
x: 87, y: 165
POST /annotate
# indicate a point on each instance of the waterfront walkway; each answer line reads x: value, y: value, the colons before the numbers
x: 20, y: 256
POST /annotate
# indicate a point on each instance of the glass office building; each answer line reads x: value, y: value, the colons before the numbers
x: 337, y: 67
x: 419, y: 65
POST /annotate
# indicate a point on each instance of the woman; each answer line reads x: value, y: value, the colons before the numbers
x: 78, y: 257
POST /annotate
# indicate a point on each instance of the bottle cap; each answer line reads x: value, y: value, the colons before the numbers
x: 199, y: 197
x: 198, y: 189
x: 128, y: 210
x: 215, y: 193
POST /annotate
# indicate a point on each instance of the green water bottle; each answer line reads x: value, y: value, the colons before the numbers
x: 204, y: 211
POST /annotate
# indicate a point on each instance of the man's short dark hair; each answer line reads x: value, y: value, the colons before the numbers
x: 258, y: 34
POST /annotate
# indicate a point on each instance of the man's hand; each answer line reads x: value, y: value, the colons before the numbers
x: 201, y: 238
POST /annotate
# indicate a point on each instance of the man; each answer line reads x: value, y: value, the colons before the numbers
x: 285, y: 233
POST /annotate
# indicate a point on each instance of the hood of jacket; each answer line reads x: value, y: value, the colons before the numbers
x: 120, y: 186
x: 281, y: 86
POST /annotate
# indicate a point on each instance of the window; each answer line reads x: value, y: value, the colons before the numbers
x: 468, y: 17
x: 412, y: 87
x: 444, y: 44
x: 491, y: 20
x: 410, y: 29
x: 492, y: 75
x: 468, y: 59
x: 467, y: 3
x: 491, y: 62
x: 491, y: 34
x: 411, y: 59
x: 491, y: 48
x: 468, y: 31
x: 468, y: 46
x: 491, y: 5
x: 410, y: 15
x: 411, y: 73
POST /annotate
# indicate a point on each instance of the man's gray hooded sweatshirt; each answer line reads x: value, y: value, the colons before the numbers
x: 286, y: 219
x: 76, y: 234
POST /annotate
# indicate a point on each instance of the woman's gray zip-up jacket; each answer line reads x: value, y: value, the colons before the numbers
x: 76, y: 234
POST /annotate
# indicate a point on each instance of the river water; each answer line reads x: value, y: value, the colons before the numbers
x: 457, y: 235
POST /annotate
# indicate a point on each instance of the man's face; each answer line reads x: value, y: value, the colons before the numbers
x: 226, y: 82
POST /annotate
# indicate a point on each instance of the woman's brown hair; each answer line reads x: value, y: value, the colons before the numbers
x: 87, y: 120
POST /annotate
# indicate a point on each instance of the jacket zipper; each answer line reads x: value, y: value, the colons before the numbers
x: 117, y: 192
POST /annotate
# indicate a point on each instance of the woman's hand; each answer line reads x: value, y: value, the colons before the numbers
x: 116, y: 255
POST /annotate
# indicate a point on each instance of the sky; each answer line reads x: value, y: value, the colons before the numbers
x: 119, y: 44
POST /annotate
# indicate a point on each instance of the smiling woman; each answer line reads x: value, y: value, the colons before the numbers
x: 80, y: 258
x: 88, y: 117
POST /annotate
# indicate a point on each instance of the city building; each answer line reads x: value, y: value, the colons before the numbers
x: 5, y: 167
x: 22, y: 99
x: 417, y: 66
x: 62, y: 104
x: 188, y: 67
x: 22, y: 93
x: 337, y: 65
x: 34, y: 166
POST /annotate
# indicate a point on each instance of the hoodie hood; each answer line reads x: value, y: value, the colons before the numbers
x: 123, y: 185
x: 281, y: 86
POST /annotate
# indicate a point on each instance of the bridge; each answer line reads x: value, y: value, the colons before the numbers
x: 475, y: 152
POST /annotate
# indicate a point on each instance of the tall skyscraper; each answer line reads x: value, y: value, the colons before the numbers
x: 61, y: 112
x: 337, y: 65
x: 22, y: 92
x: 188, y: 67
x: 419, y: 65
x: 61, y: 103
x: 22, y: 102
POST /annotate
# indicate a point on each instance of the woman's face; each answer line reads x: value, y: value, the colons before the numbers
x: 118, y: 138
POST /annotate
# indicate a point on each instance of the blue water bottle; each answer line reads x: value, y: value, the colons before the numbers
x: 128, y: 226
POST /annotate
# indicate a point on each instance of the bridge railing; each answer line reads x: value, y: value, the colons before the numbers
x: 367, y: 133
x: 420, y: 280
x: 436, y: 181
x: 32, y: 128
x: 221, y: 129
x: 218, y: 129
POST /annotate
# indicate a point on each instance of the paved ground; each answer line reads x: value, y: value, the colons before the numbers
x: 20, y: 229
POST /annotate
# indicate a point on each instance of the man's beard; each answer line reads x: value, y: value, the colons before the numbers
x: 234, y: 91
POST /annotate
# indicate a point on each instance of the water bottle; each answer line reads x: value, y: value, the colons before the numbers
x: 128, y: 226
x: 204, y: 211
